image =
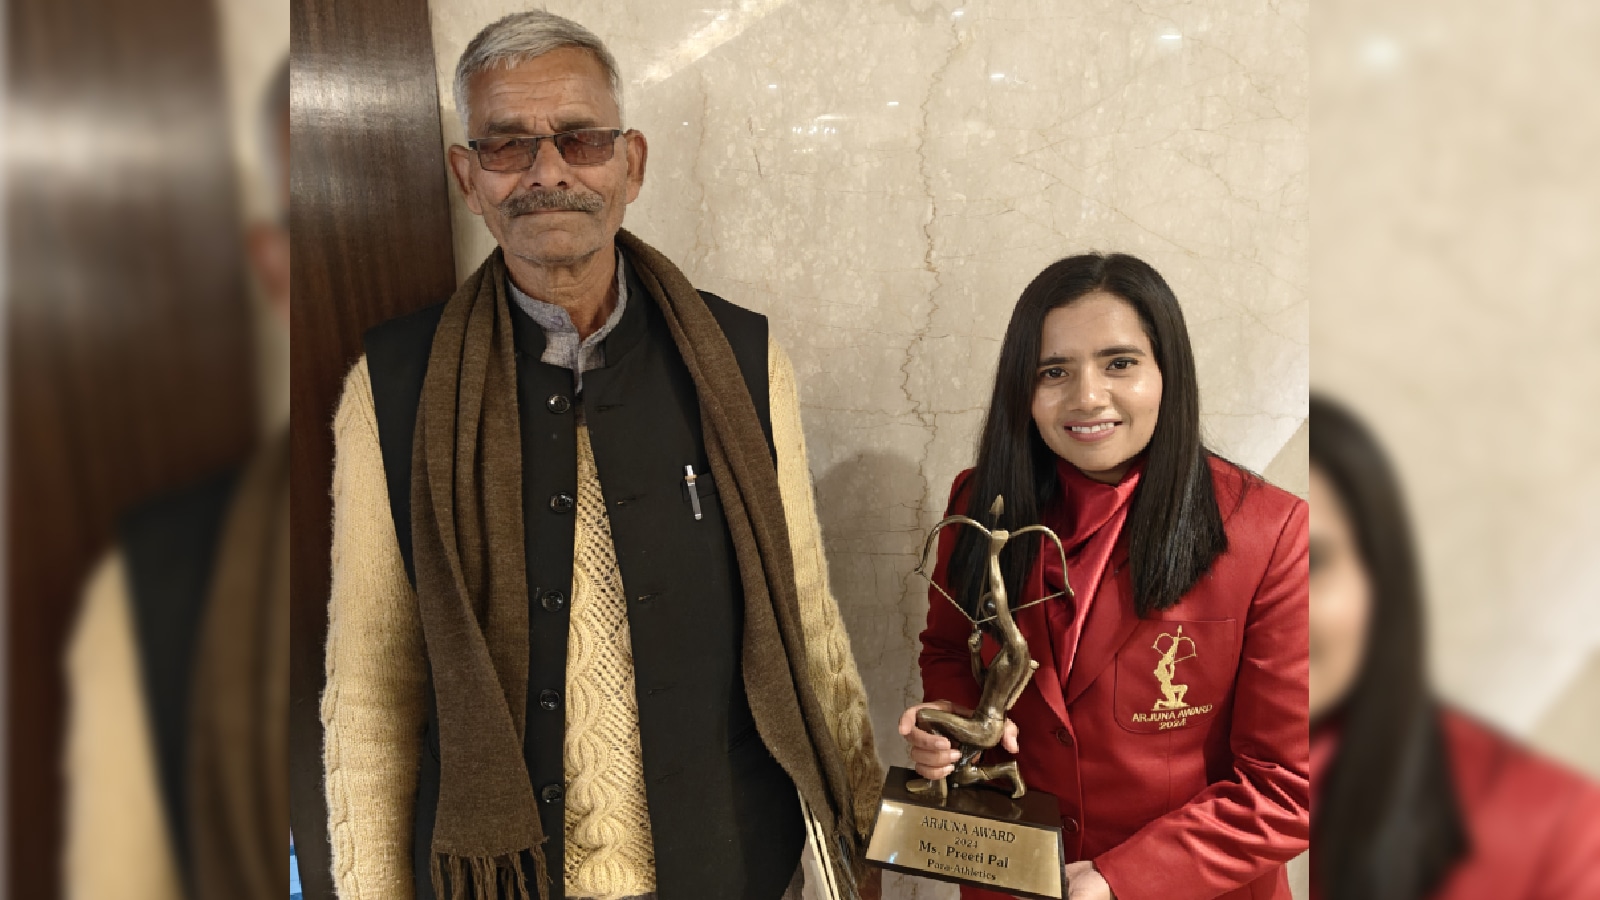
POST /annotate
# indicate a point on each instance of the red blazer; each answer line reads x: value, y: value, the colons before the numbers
x: 1209, y: 800
x: 1533, y: 827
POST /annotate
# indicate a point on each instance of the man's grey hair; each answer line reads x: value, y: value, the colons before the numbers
x: 520, y: 37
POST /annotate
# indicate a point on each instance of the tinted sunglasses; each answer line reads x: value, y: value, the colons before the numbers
x: 516, y: 153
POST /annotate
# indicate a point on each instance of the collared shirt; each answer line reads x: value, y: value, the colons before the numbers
x: 561, y: 344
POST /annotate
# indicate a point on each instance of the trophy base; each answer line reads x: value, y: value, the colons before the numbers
x: 977, y: 836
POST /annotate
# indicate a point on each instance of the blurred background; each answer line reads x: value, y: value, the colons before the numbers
x: 1455, y: 258
x: 1456, y: 308
x: 139, y: 354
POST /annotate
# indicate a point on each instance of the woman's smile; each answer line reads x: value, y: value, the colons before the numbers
x: 1091, y: 433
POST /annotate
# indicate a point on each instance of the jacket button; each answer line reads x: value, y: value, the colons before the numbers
x: 562, y: 502
x: 1064, y: 736
x: 549, y: 701
x: 1068, y: 824
x: 558, y: 404
x: 552, y: 793
x: 552, y: 601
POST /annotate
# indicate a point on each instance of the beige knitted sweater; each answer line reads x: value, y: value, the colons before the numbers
x: 373, y: 706
x: 609, y: 853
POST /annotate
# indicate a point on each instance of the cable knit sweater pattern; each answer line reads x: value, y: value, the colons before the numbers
x: 607, y: 819
x: 373, y: 707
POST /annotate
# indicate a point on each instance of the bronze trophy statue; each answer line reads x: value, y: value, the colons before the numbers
x: 977, y: 836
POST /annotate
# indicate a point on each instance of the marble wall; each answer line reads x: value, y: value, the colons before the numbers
x: 1454, y: 268
x: 882, y: 179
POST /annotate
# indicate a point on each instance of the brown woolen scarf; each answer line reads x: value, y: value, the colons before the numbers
x: 467, y: 534
x: 239, y: 705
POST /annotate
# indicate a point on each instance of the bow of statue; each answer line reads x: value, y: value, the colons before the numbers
x: 1002, y: 680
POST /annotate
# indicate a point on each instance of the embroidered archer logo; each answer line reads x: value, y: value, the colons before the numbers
x: 1172, y: 694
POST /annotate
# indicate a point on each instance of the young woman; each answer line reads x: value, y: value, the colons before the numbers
x: 1413, y: 800
x: 1168, y: 712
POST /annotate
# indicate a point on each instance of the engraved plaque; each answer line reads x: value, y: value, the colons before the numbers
x: 959, y: 828
x: 978, y: 836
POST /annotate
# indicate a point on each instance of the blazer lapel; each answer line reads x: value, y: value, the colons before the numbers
x: 1035, y: 628
x: 1110, y: 622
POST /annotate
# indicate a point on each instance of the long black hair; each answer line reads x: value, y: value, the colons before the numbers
x: 1175, y: 528
x: 1386, y: 825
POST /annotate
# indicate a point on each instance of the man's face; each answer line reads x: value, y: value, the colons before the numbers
x: 563, y: 90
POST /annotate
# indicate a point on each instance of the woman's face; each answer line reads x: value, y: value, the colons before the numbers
x: 1341, y: 598
x: 1097, y: 388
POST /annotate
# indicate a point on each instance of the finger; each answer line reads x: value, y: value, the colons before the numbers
x: 935, y: 757
x: 908, y: 719
x: 927, y: 740
x: 1008, y: 738
x: 908, y: 722
x: 926, y: 737
x: 1081, y: 881
x: 934, y: 773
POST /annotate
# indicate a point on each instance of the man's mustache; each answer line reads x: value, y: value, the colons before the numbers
x: 545, y: 201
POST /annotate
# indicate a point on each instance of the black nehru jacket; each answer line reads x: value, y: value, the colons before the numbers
x: 724, y: 816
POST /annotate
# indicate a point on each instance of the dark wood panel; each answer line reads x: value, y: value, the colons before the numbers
x: 128, y: 334
x: 370, y: 220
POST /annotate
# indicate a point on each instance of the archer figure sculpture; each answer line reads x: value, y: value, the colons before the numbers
x: 1003, y: 679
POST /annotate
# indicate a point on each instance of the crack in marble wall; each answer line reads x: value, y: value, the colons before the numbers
x: 913, y: 589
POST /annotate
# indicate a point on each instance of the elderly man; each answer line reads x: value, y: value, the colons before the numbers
x: 581, y: 641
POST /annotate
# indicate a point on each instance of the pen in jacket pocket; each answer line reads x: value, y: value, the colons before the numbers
x: 690, y: 478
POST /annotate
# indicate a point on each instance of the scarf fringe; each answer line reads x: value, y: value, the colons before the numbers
x: 489, y: 877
